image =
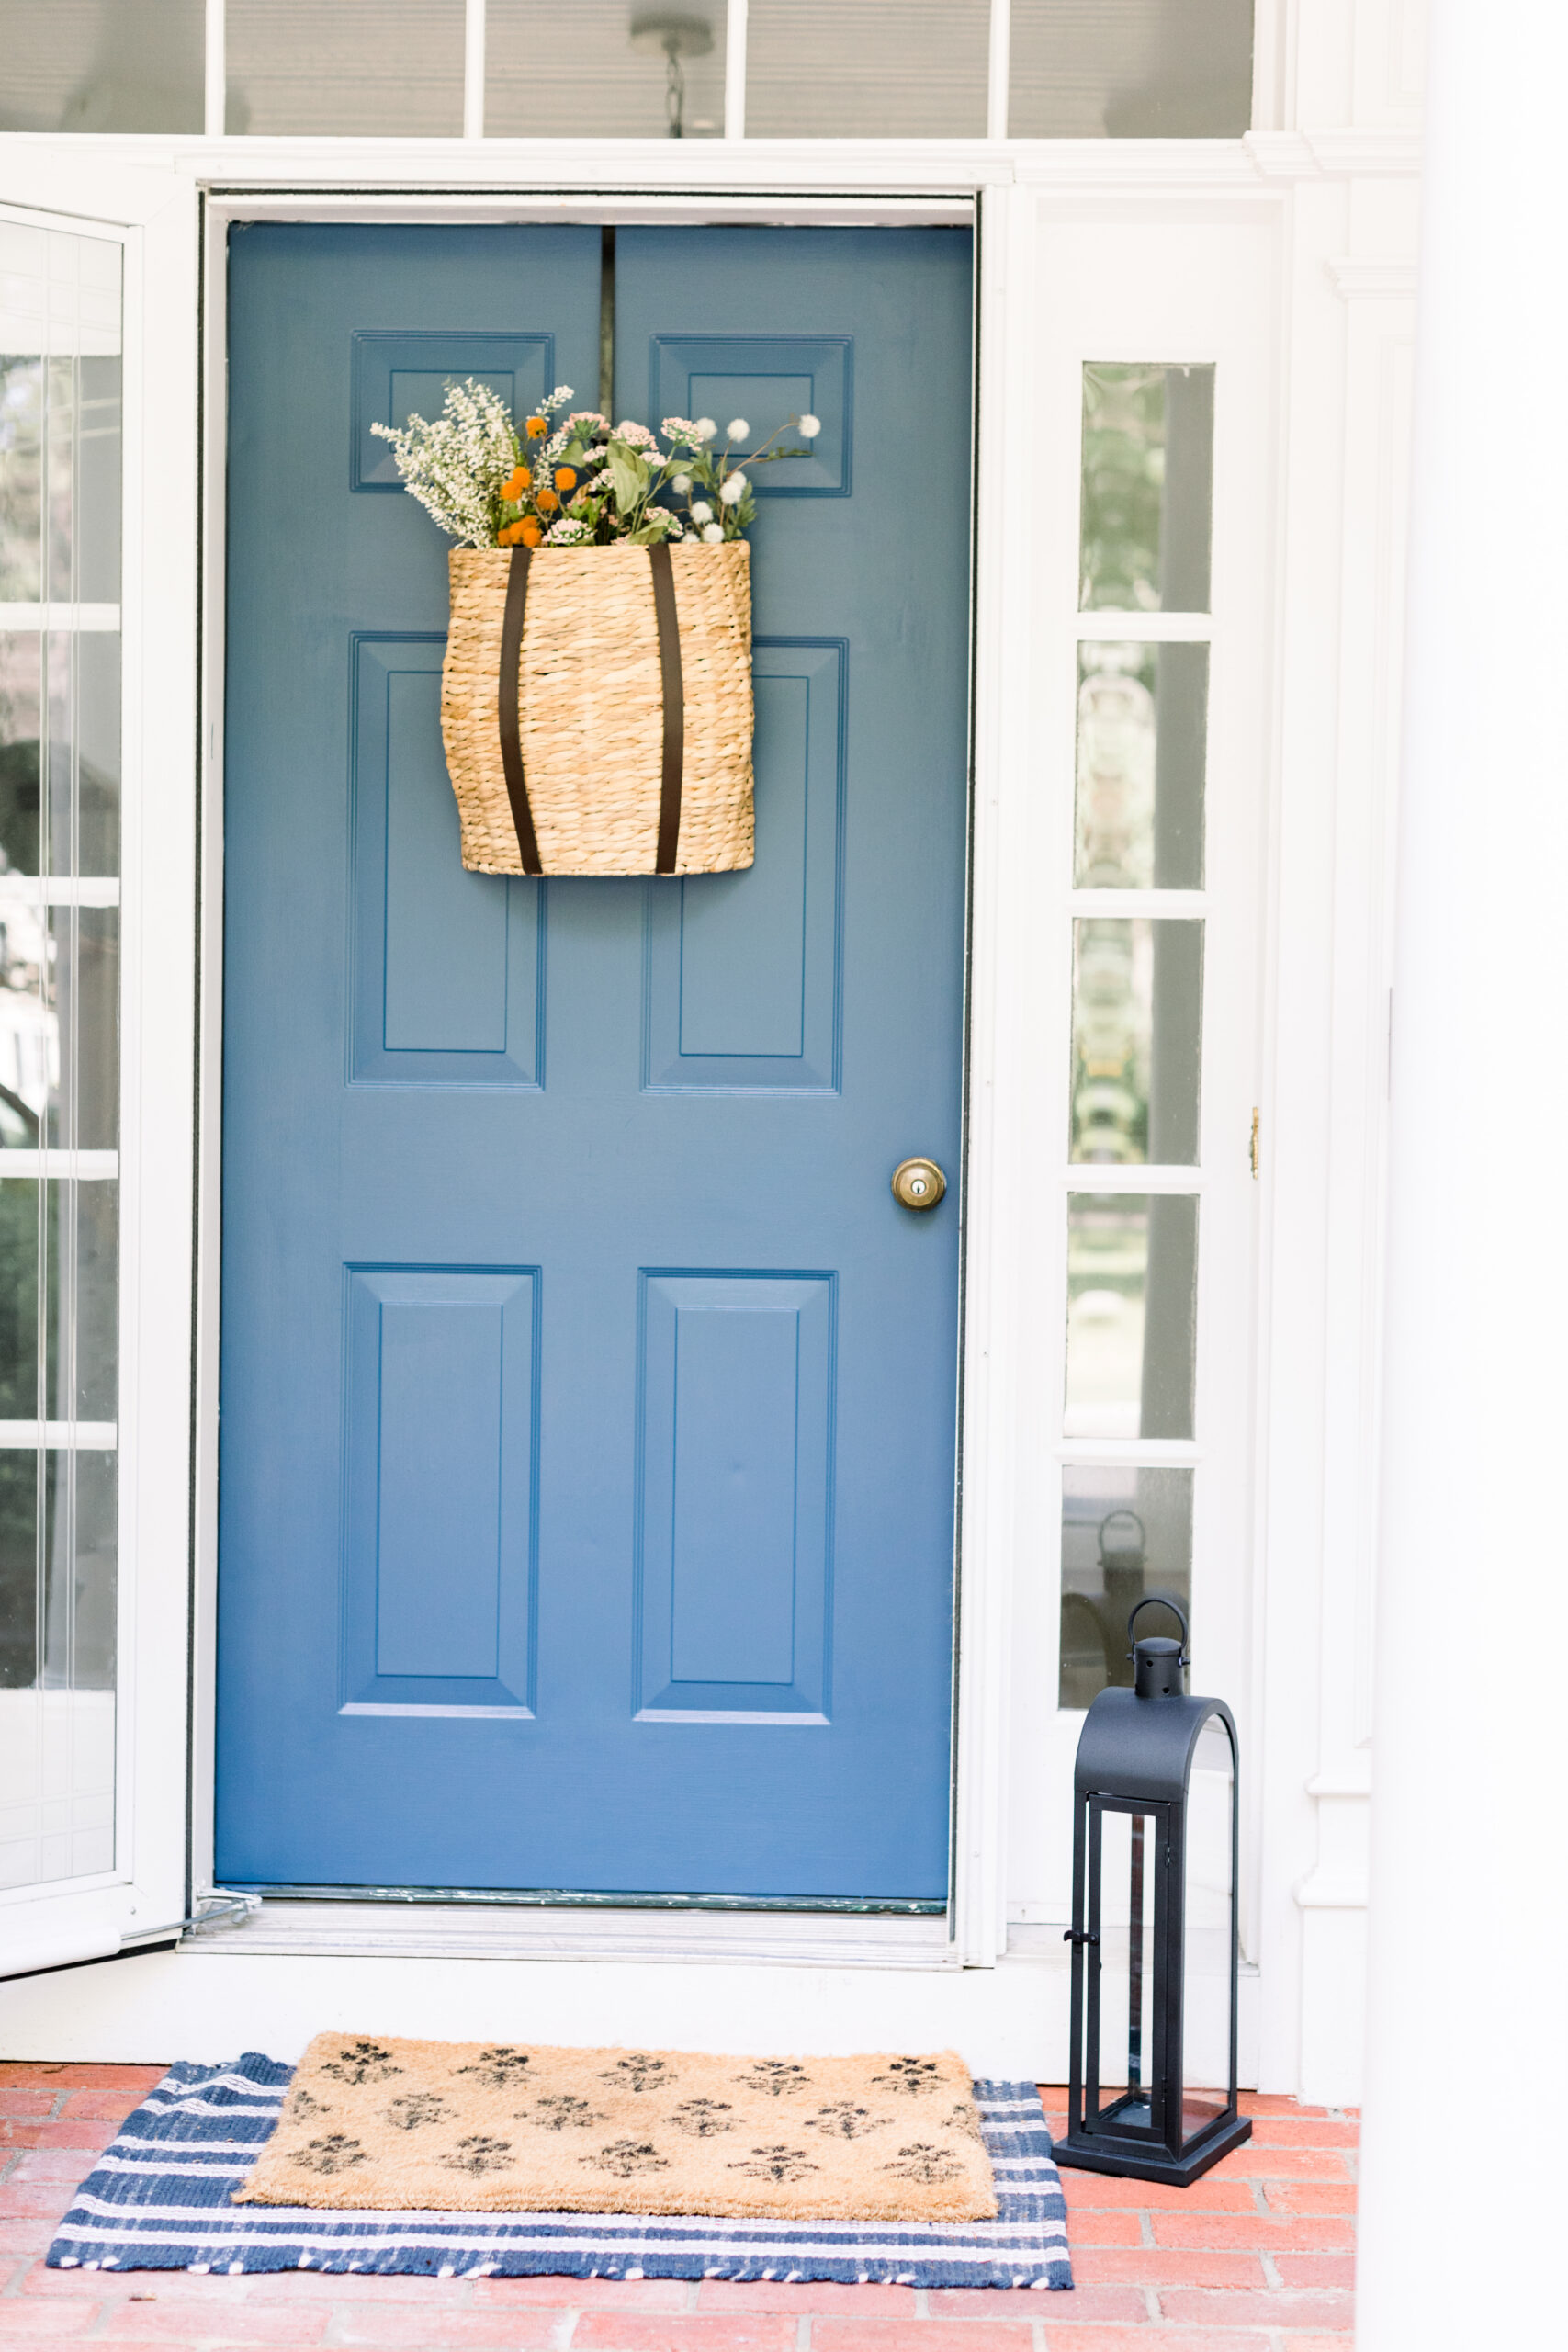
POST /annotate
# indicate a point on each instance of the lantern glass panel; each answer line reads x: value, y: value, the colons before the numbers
x: 1130, y: 1846
x: 1210, y: 1897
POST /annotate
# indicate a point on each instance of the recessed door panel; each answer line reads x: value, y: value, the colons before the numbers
x: 744, y: 969
x: 736, y: 1447
x: 439, y: 1437
x: 447, y: 965
x: 763, y: 381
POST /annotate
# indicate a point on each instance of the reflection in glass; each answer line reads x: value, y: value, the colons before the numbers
x: 1137, y: 1021
x: 615, y: 78
x: 358, y: 69
x: 1132, y: 1297
x: 1143, y: 728
x: 867, y: 69
x: 1130, y: 69
x: 102, y: 64
x: 1206, y: 1931
x: 1148, y: 438
x: 1126, y: 1535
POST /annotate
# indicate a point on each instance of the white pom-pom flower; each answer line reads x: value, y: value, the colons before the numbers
x: 681, y: 485
x: 733, y: 489
x: 704, y: 428
x: 738, y: 429
x: 809, y: 427
x: 702, y: 512
x: 713, y: 533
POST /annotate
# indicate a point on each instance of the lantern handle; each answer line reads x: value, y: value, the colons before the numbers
x: 1159, y: 1600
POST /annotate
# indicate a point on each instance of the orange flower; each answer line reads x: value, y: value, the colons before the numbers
x: 547, y: 502
x: 512, y: 488
x: 508, y: 534
x: 565, y: 477
x: 537, y: 428
x: 530, y: 532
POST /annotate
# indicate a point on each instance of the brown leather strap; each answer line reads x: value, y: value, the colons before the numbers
x: 511, y: 733
x: 674, y: 708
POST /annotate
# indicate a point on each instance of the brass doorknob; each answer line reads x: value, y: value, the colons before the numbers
x: 919, y: 1184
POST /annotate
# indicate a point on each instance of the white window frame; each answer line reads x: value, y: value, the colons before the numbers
x: 153, y: 218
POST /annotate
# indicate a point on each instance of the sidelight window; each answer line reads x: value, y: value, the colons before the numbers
x: 59, y: 704
x: 1139, y: 919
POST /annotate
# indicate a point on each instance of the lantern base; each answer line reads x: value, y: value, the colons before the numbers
x: 1130, y: 2159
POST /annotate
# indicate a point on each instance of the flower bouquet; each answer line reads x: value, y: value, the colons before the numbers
x: 596, y: 696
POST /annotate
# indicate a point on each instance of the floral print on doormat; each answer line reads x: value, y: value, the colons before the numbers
x: 374, y: 2122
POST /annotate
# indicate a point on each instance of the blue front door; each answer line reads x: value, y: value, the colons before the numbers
x: 588, y: 1400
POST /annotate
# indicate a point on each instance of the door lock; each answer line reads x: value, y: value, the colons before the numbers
x: 919, y: 1184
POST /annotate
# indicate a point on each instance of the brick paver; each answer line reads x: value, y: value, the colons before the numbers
x: 1258, y: 2257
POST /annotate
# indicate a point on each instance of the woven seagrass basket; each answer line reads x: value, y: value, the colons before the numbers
x: 596, y: 708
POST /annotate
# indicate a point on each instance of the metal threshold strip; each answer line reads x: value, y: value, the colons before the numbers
x: 565, y: 1899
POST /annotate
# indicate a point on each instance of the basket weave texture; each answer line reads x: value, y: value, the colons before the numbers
x: 591, y: 709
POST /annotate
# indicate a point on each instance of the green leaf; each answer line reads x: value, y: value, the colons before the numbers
x: 629, y: 475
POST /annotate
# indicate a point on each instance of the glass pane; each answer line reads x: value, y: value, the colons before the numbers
x: 1126, y: 1536
x: 357, y: 68
x: 1148, y: 441
x: 102, y: 64
x: 1129, y: 1842
x: 1142, y: 730
x: 1206, y: 1931
x: 60, y: 698
x: 1130, y: 69
x: 57, y: 1657
x: 1137, y: 1034
x: 20, y: 1254
x: 627, y: 73
x: 867, y: 69
x: 1132, y: 1299
x: 82, y: 1280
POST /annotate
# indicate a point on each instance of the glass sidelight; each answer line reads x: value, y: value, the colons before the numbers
x: 59, y: 505
x: 1137, y: 936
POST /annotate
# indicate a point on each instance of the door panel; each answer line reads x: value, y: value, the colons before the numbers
x: 448, y: 979
x: 588, y: 1402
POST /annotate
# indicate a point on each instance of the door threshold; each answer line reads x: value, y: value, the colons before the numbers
x: 572, y: 1899
x: 422, y: 1924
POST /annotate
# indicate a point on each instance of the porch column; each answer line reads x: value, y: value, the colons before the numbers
x: 1466, y: 2134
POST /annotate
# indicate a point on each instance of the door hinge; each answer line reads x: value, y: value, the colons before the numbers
x: 1252, y: 1147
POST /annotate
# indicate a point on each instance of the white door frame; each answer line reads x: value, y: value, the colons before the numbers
x: 1341, y: 202
x: 973, y: 1766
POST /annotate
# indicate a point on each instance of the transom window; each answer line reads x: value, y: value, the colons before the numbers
x: 692, y: 69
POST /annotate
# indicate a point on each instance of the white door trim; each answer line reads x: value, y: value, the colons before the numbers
x: 974, y: 1928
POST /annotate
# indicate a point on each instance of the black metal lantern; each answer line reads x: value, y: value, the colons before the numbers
x: 1154, y: 1805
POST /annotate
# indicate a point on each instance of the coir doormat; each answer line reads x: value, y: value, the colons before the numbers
x: 493, y: 2127
x: 162, y: 2198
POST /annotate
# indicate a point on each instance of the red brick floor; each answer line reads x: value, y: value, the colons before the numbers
x: 1257, y: 2258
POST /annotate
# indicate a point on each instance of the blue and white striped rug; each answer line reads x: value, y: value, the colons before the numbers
x: 158, y: 2200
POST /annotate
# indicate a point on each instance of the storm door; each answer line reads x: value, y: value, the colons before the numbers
x: 588, y: 1399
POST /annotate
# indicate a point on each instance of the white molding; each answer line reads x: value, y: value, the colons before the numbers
x: 830, y: 168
